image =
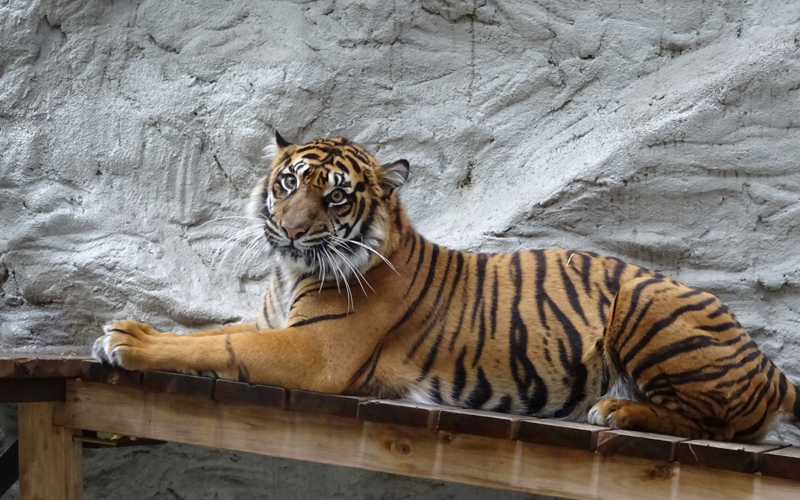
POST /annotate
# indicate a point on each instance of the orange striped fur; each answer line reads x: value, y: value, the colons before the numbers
x: 360, y: 303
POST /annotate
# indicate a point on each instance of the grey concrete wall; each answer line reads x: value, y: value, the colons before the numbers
x: 665, y: 133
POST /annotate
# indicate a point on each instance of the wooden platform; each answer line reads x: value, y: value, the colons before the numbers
x: 466, y: 446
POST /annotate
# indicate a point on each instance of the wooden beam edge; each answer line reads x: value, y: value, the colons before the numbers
x: 426, y: 453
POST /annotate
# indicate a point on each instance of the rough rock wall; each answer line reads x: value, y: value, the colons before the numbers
x: 665, y: 133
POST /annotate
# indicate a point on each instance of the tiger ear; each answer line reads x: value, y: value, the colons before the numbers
x: 280, y: 141
x: 393, y: 175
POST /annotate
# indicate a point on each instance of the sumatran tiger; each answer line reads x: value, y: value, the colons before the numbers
x: 361, y: 303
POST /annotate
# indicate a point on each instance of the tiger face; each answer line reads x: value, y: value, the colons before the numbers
x: 324, y: 205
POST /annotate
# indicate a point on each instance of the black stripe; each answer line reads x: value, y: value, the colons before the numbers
x: 436, y: 394
x: 602, y: 306
x: 242, y: 374
x: 522, y: 369
x: 481, y: 393
x: 744, y: 347
x: 265, y: 310
x: 722, y: 309
x: 754, y: 402
x: 665, y: 353
x: 796, y: 407
x: 737, y: 395
x: 481, y: 339
x: 434, y: 312
x: 690, y: 293
x: 662, y: 324
x: 316, y: 319
x: 413, y: 246
x: 720, y: 327
x: 397, y: 220
x: 372, y: 362
x: 481, y: 273
x: 459, y: 375
x: 431, y: 357
x: 367, y: 224
x: 229, y: 349
x: 572, y: 294
x: 782, y: 387
x: 612, y: 282
x: 632, y: 303
x: 541, y: 294
x: 704, y: 373
x: 493, y: 310
x: 586, y: 264
x: 504, y: 406
x: 460, y: 323
x: 420, y: 260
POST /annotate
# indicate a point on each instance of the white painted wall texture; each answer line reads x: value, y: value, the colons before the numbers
x: 663, y: 132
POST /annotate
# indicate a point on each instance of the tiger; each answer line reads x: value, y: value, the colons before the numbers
x: 360, y: 303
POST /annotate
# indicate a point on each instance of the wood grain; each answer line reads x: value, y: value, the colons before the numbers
x: 398, y: 412
x: 782, y: 463
x: 729, y: 456
x: 325, y: 404
x: 476, y: 460
x: 49, y: 459
x: 264, y: 395
x: 93, y: 371
x: 638, y: 444
x: 178, y: 383
x: 40, y: 366
x: 558, y: 433
x: 479, y: 423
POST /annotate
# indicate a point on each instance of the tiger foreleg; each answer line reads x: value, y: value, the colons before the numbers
x: 291, y: 358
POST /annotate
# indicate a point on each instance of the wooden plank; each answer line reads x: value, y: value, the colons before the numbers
x: 326, y: 404
x: 782, y: 463
x: 9, y: 467
x: 399, y: 412
x: 230, y: 391
x: 729, y: 456
x: 31, y: 390
x: 92, y: 371
x: 638, y: 444
x: 477, y: 460
x: 559, y: 433
x: 40, y: 366
x: 49, y: 459
x: 178, y: 383
x: 479, y: 423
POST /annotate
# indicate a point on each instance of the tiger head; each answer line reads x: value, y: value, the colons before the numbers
x: 325, y: 205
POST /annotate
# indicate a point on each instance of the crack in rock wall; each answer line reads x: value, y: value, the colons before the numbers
x: 664, y: 133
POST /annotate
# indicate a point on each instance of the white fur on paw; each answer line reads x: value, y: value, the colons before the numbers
x: 100, y: 348
x: 595, y: 418
x: 114, y: 356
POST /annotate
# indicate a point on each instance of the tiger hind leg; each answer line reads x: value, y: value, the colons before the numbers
x: 650, y: 417
x: 696, y: 370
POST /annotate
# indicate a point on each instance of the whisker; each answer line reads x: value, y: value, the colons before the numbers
x: 391, y: 266
x: 356, y: 272
x: 350, y: 304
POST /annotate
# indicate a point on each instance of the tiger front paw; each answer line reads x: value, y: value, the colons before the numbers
x: 128, y: 344
x: 601, y: 412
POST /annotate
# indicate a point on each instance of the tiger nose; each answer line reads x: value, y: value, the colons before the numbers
x: 293, y: 233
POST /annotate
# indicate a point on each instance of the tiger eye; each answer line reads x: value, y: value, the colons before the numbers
x: 290, y: 182
x: 336, y: 196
